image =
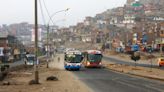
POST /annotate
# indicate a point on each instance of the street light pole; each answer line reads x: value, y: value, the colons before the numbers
x: 55, y: 14
x: 48, y: 30
x: 36, y: 43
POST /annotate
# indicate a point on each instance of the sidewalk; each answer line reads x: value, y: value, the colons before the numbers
x: 127, y: 58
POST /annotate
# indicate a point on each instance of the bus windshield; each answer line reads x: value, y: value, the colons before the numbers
x: 94, y: 57
x: 73, y: 58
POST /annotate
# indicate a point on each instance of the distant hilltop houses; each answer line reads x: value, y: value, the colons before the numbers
x: 144, y: 18
x: 24, y: 31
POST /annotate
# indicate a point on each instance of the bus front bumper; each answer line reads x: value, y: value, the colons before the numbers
x: 72, y: 67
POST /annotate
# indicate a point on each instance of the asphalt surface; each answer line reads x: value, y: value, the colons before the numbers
x: 17, y: 63
x: 14, y: 64
x: 104, y: 80
x: 119, y: 61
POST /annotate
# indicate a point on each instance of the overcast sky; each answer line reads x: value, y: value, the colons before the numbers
x: 16, y: 11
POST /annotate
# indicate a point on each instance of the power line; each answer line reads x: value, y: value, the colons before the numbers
x: 48, y: 12
x: 42, y: 13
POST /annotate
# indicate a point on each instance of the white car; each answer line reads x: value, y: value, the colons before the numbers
x: 30, y: 59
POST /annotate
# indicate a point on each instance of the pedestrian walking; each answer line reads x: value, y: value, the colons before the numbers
x: 58, y: 59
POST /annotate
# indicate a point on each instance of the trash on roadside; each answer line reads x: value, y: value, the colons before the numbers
x: 33, y: 82
x: 52, y: 78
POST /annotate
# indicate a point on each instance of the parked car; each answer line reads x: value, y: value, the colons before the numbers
x: 148, y: 49
x: 30, y: 59
x: 160, y: 61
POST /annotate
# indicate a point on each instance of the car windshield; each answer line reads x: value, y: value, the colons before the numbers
x: 94, y: 57
x: 30, y: 59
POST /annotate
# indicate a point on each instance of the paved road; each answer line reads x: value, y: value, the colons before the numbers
x: 119, y: 61
x: 17, y: 63
x: 103, y: 80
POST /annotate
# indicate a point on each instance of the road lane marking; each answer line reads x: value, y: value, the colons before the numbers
x: 154, y: 87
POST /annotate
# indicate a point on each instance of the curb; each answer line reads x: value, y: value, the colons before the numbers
x: 134, y: 74
x: 149, y: 77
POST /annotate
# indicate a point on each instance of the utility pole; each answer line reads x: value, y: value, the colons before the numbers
x: 36, y: 43
x: 48, y: 46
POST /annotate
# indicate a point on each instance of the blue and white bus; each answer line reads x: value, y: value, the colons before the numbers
x: 73, y: 60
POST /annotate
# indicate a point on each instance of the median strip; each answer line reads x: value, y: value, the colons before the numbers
x: 145, y: 72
